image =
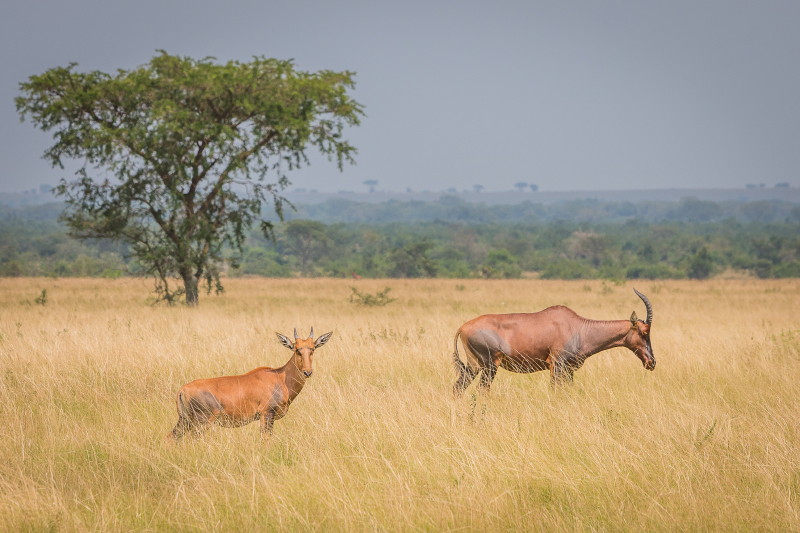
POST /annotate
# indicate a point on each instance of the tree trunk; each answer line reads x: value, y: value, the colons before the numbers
x: 190, y: 285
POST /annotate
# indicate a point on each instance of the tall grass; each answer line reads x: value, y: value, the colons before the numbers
x: 375, y: 442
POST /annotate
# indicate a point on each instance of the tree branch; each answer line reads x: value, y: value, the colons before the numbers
x: 235, y: 162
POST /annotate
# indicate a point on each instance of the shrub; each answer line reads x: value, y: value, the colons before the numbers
x: 42, y: 298
x: 378, y: 299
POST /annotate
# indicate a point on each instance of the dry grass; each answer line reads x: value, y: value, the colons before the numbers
x: 706, y: 442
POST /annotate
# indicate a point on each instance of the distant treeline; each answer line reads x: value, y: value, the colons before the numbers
x: 451, y: 208
x: 450, y: 238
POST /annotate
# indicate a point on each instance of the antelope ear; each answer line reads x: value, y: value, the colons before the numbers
x: 322, y: 339
x: 634, y: 318
x: 285, y: 341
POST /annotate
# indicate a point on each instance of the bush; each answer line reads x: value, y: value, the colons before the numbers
x: 378, y: 299
x: 412, y: 261
x: 652, y: 271
x: 701, y: 265
x: 789, y: 269
x: 261, y: 262
x: 562, y: 268
x: 501, y: 264
x: 42, y: 298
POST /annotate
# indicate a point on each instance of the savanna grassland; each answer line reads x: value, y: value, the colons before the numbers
x: 375, y: 442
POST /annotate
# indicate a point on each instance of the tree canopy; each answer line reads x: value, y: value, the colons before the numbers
x: 598, y: 243
x: 179, y: 156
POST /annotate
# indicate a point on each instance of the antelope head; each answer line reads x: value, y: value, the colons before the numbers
x: 304, y: 349
x: 638, y: 339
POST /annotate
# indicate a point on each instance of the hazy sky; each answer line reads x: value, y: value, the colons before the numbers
x: 570, y: 95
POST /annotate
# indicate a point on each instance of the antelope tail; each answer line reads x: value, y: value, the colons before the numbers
x: 183, y: 405
x: 460, y: 366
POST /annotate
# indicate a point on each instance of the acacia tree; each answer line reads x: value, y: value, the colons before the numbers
x: 185, y: 153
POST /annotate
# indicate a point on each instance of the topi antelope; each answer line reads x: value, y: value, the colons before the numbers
x: 555, y: 338
x: 263, y: 393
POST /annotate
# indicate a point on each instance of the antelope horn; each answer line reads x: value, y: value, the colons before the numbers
x: 312, y: 332
x: 647, y: 305
x: 295, y: 333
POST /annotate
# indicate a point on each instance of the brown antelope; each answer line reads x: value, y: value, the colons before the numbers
x: 556, y: 339
x: 263, y: 393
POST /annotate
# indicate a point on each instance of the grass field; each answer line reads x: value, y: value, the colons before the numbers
x: 707, y: 442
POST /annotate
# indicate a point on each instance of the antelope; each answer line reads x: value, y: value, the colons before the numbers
x: 263, y: 393
x: 556, y: 338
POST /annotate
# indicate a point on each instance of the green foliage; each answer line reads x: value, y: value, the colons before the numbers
x: 411, y: 260
x: 789, y: 269
x: 564, y: 268
x: 42, y: 298
x: 501, y: 264
x: 197, y: 150
x: 378, y: 299
x: 701, y: 265
x: 307, y: 240
x: 32, y: 243
x: 262, y: 262
x: 650, y: 270
x: 451, y: 262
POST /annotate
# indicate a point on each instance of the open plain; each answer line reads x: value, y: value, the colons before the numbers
x: 375, y: 442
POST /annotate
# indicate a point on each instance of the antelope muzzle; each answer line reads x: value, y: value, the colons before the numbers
x: 648, y: 360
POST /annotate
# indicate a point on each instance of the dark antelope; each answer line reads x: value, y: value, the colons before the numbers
x: 263, y: 393
x: 556, y: 339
